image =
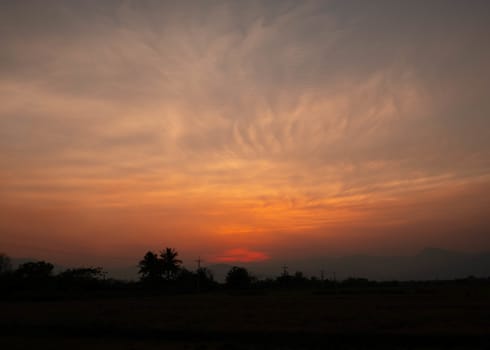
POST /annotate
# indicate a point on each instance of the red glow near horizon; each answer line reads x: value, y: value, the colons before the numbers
x: 241, y: 255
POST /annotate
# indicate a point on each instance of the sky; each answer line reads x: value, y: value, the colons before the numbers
x: 243, y: 131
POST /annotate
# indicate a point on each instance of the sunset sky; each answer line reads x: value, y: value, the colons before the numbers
x: 243, y: 131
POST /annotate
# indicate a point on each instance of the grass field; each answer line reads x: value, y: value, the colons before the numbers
x: 458, y: 318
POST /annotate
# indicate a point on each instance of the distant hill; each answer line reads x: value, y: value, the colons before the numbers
x: 430, y: 263
x: 219, y: 271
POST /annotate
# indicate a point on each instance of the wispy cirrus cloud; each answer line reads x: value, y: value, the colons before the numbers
x: 260, y: 118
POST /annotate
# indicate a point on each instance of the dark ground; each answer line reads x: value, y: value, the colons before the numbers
x: 457, y: 318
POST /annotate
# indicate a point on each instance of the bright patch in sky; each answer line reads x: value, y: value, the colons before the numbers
x: 240, y: 255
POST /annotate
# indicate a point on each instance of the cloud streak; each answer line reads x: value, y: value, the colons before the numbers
x: 261, y: 119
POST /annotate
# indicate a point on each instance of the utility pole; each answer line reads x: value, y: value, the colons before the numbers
x: 199, y: 261
x: 198, y: 281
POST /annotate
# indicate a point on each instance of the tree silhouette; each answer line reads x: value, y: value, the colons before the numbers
x: 82, y: 277
x: 205, y: 275
x: 170, y: 263
x: 82, y: 274
x: 151, y: 268
x: 238, y: 277
x: 37, y: 271
x: 5, y: 264
x: 205, y: 278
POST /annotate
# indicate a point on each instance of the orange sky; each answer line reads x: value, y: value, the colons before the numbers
x: 241, y: 132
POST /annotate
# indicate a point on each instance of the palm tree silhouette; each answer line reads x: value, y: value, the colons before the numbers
x: 170, y: 263
x: 151, y: 268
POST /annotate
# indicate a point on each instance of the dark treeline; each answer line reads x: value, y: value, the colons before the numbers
x: 163, y: 272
